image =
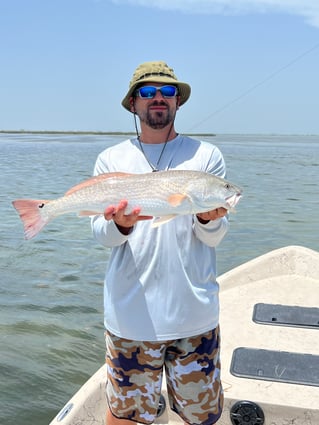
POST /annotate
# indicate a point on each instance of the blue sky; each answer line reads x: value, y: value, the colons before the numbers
x: 253, y: 64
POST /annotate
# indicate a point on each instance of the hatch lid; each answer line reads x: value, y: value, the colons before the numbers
x: 278, y: 366
x: 286, y: 315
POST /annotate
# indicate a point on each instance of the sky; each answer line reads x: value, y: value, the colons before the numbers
x: 253, y: 65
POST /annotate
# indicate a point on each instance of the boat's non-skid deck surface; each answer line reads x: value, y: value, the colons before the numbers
x: 270, y: 331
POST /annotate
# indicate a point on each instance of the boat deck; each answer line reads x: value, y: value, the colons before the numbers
x: 270, y: 343
x: 274, y: 361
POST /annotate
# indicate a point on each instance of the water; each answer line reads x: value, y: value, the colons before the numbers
x: 51, y: 314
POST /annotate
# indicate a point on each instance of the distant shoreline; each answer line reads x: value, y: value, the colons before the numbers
x: 129, y: 133
x: 94, y: 133
x: 63, y: 132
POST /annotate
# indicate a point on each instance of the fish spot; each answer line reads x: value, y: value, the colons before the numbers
x: 41, y: 205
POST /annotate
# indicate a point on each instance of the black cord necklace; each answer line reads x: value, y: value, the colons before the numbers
x: 153, y: 167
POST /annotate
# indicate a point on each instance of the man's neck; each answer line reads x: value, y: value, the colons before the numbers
x: 154, y: 136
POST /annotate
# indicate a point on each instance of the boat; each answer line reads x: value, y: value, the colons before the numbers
x: 269, y: 322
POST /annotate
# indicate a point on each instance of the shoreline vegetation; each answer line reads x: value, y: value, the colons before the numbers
x: 129, y: 133
x: 95, y: 133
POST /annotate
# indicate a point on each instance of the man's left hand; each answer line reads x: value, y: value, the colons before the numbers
x: 205, y: 217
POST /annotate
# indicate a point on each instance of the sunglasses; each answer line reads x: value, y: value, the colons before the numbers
x: 148, y: 92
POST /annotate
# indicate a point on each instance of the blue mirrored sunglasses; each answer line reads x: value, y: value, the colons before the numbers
x: 148, y: 92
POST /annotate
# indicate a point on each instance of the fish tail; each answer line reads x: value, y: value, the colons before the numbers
x: 29, y: 211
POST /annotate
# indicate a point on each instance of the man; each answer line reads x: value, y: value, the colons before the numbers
x: 161, y: 295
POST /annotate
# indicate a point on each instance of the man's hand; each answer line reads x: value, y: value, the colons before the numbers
x: 124, y: 222
x: 205, y: 217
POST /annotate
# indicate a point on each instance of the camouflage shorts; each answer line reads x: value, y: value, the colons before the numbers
x: 192, y: 366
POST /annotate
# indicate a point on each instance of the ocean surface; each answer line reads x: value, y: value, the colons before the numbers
x: 51, y: 287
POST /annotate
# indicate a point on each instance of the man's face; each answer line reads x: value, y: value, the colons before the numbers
x: 156, y: 112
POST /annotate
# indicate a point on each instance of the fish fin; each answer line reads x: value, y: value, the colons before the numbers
x: 86, y: 213
x: 158, y: 221
x: 93, y: 180
x: 29, y: 211
x: 176, y: 199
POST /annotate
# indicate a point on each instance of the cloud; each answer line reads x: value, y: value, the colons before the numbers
x: 308, y: 9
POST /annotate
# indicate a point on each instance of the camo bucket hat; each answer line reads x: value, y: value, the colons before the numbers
x: 155, y: 72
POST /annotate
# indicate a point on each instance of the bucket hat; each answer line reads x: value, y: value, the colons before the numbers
x: 155, y: 72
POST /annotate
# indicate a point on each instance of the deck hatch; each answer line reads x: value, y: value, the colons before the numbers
x: 286, y: 315
x: 278, y: 366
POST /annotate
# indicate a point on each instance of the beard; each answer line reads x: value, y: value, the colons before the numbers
x: 158, y: 119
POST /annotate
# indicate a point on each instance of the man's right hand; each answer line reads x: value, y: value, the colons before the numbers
x: 124, y: 222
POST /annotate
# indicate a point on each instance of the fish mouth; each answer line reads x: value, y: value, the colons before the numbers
x: 233, y: 200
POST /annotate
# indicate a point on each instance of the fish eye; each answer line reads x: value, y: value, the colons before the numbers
x: 227, y: 186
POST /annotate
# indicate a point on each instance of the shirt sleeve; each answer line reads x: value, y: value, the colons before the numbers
x: 213, y: 232
x: 106, y: 232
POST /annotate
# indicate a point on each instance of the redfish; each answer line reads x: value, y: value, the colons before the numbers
x: 163, y: 195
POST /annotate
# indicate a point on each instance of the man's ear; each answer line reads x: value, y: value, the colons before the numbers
x: 178, y: 100
x: 132, y: 103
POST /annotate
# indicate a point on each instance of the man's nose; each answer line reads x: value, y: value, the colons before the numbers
x: 158, y: 95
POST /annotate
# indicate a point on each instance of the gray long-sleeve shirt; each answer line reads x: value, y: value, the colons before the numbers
x: 161, y: 283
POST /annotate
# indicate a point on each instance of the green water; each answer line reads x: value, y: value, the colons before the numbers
x: 51, y: 290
